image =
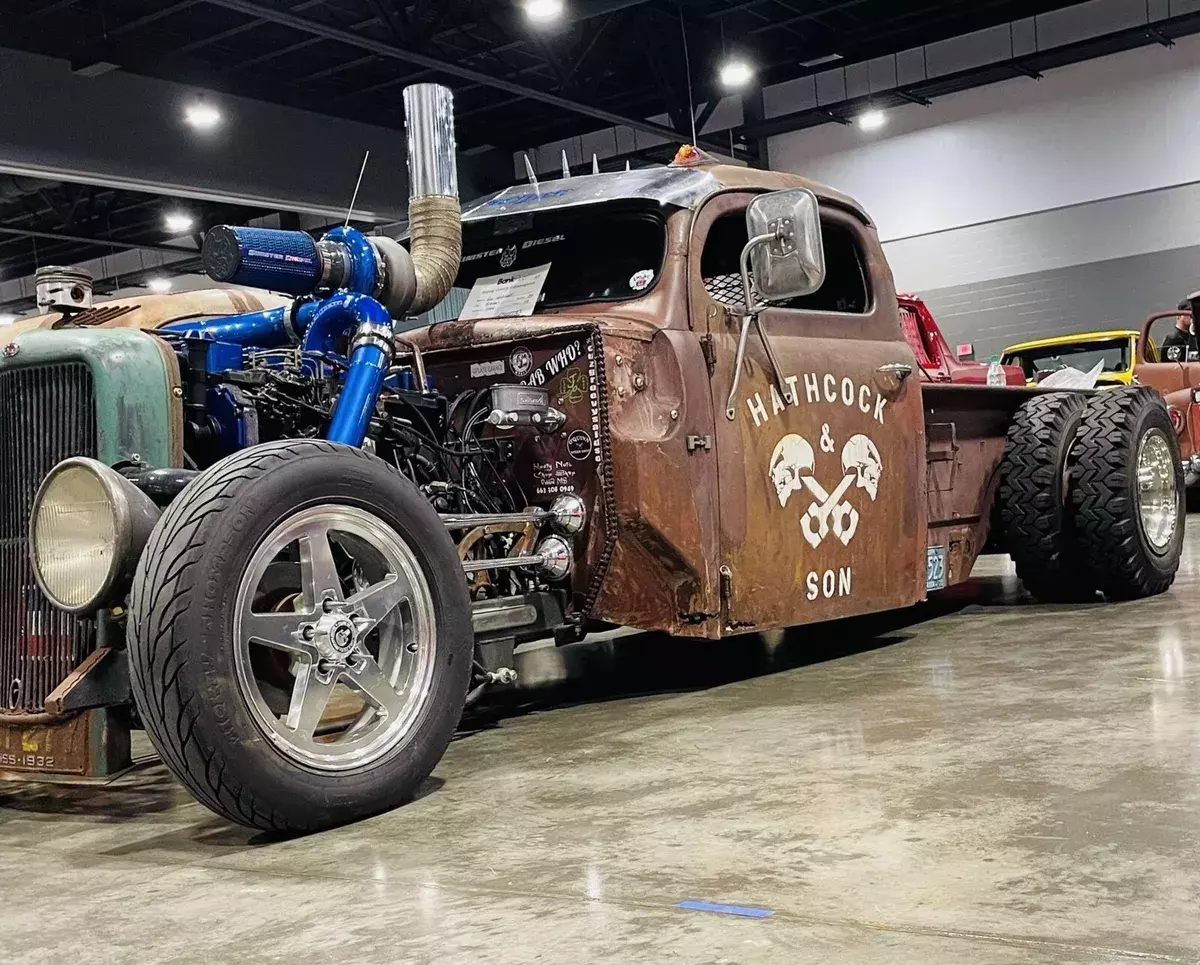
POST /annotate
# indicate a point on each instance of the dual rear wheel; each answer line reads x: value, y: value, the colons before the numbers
x: 1091, y: 496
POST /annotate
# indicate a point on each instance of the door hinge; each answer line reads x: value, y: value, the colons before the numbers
x: 726, y: 584
x: 698, y: 442
x: 710, y: 353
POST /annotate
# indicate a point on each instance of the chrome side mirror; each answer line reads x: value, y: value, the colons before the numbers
x: 785, y: 251
x: 787, y: 257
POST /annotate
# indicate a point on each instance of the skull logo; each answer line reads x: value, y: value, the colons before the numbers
x: 859, y: 456
x: 792, y: 460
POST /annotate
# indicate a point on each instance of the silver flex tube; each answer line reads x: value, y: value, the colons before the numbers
x: 433, y: 207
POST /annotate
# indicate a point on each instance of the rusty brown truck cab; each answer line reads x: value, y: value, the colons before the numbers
x: 704, y: 419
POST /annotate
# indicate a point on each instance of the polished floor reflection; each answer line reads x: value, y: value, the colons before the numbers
x: 979, y: 780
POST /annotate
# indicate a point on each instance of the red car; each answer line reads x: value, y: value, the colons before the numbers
x: 938, y: 363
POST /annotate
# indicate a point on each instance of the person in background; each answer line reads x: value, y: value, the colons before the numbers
x: 1181, y: 344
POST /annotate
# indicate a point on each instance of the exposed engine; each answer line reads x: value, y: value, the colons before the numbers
x: 460, y: 449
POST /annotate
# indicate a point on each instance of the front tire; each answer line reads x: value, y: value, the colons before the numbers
x: 1127, y: 494
x: 300, y: 637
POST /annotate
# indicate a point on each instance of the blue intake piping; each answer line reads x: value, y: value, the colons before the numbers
x: 340, y: 312
x: 362, y: 268
x: 269, y: 328
x: 369, y: 361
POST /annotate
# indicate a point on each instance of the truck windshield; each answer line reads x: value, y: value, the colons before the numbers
x: 1037, y: 363
x: 595, y: 253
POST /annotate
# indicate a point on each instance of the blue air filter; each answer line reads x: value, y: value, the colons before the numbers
x: 281, y: 261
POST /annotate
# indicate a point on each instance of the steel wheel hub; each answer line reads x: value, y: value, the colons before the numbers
x: 334, y: 636
x: 1156, y: 496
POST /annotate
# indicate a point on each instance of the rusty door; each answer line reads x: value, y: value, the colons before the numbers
x: 821, y: 471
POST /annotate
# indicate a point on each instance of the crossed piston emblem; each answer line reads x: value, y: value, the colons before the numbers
x: 791, y: 470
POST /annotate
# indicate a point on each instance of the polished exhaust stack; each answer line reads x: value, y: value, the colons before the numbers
x: 433, y: 206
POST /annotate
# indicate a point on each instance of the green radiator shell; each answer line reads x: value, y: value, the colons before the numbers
x: 138, y: 406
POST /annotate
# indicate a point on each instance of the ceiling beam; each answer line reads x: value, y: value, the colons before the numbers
x: 601, y: 8
x: 382, y: 49
x: 98, y: 242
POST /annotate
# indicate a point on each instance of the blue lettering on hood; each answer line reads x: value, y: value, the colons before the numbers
x: 528, y: 196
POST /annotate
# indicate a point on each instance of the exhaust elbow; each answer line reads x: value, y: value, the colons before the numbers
x: 433, y: 208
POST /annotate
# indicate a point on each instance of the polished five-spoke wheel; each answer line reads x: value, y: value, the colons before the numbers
x: 354, y: 634
x: 300, y: 637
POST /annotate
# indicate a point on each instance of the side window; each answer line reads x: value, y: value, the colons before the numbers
x: 845, y: 288
x: 1172, y: 339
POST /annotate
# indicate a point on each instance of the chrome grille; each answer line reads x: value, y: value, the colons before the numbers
x: 47, y: 413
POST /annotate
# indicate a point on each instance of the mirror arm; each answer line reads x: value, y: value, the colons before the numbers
x: 752, y: 316
x: 755, y: 242
x: 771, y: 357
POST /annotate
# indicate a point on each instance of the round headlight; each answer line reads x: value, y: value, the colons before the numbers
x: 88, y: 526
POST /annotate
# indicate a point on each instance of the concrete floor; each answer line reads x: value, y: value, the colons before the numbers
x: 987, y: 782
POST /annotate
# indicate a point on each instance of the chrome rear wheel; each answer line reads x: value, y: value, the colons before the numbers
x: 1156, y: 490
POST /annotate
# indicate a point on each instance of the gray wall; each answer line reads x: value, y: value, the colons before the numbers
x: 1118, y: 293
x: 1106, y: 264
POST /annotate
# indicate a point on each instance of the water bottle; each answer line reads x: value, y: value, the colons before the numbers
x: 995, y: 374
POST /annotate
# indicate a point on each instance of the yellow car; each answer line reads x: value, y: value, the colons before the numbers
x: 1043, y: 356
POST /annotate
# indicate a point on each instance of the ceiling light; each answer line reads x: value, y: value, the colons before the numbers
x: 821, y: 61
x: 201, y: 115
x: 160, y: 286
x: 872, y: 120
x: 736, y: 73
x: 178, y: 222
x: 543, y: 11
x: 7, y: 319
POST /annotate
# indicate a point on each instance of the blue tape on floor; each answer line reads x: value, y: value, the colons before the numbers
x: 726, y: 909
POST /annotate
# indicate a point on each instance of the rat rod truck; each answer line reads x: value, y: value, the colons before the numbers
x: 294, y: 543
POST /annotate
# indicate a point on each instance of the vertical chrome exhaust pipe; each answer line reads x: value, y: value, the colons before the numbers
x: 433, y: 206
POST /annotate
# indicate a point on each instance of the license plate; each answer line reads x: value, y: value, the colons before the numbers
x: 935, y: 568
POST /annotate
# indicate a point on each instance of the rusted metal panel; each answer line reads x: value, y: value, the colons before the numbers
x: 821, y: 478
x: 664, y: 573
x: 87, y: 745
x: 152, y: 311
x: 966, y: 428
x: 567, y: 360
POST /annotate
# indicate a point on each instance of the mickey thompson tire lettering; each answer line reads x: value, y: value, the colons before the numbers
x: 180, y: 632
x: 1104, y: 488
x: 1036, y: 529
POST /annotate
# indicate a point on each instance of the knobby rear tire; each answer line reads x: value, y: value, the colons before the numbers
x: 1112, y: 541
x: 1036, y: 528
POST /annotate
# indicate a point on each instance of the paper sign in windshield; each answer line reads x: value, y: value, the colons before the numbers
x: 509, y: 295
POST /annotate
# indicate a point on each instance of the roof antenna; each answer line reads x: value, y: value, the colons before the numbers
x: 529, y: 171
x: 595, y: 164
x: 566, y: 166
x: 354, y: 197
x: 687, y: 61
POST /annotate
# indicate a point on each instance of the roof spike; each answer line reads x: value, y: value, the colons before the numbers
x: 529, y: 171
x: 595, y: 164
x: 566, y: 165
